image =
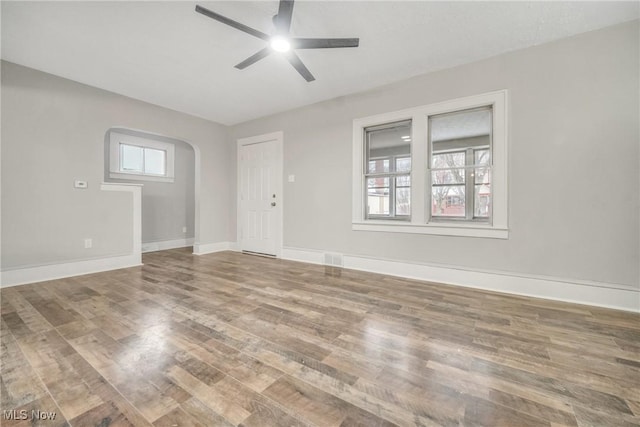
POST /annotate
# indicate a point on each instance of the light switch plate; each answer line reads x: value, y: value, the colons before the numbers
x: 80, y: 184
x: 292, y: 178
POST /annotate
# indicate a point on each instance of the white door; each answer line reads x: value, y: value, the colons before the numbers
x: 260, y: 182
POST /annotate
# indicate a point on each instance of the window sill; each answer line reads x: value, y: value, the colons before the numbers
x: 138, y: 177
x: 441, y: 229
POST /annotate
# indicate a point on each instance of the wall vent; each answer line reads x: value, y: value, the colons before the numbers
x: 334, y: 260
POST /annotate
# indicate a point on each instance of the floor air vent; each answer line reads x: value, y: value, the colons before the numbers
x: 334, y: 260
x: 258, y: 254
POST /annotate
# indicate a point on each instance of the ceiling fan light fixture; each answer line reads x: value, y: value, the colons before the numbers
x: 279, y: 41
x: 280, y: 44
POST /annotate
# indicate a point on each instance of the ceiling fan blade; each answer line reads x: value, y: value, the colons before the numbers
x: 283, y: 21
x: 254, y: 58
x: 302, y: 43
x: 232, y: 23
x: 299, y: 66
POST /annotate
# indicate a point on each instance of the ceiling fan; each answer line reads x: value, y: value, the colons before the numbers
x: 281, y: 40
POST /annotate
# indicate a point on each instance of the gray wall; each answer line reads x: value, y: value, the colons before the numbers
x: 52, y: 133
x: 166, y: 206
x: 573, y: 162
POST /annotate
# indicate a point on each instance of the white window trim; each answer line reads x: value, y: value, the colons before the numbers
x: 498, y: 228
x: 116, y: 138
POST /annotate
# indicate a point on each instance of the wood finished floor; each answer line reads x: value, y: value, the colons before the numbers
x: 231, y: 339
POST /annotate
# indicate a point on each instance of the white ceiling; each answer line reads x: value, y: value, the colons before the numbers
x: 167, y: 54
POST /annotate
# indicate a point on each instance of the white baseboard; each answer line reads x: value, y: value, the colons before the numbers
x: 304, y: 255
x: 598, y: 294
x: 607, y: 295
x: 209, y: 248
x: 163, y: 245
x: 22, y: 276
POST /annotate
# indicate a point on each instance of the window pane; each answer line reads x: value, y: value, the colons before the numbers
x: 403, y: 164
x: 386, y: 142
x: 403, y: 201
x: 461, y: 129
x: 481, y: 157
x: 448, y: 160
x: 378, y: 166
x: 403, y: 181
x: 451, y: 176
x: 378, y: 182
x: 482, y: 201
x: 460, y: 149
x: 130, y: 158
x: 481, y: 175
x: 448, y: 201
x: 378, y: 196
x: 154, y: 161
x: 378, y: 203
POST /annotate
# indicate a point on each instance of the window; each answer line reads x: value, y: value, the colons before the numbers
x: 388, y: 171
x: 134, y: 157
x: 460, y: 166
x: 435, y: 169
x: 142, y: 160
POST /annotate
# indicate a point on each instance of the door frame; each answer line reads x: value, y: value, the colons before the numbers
x: 278, y: 138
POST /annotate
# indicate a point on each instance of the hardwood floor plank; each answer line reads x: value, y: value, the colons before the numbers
x: 254, y: 374
x: 106, y: 414
x: 589, y: 418
x: 203, y: 414
x: 315, y: 405
x: 20, y: 383
x: 585, y: 396
x: 51, y: 310
x: 270, y: 415
x: 179, y: 418
x: 210, y: 396
x: 118, y: 410
x: 532, y: 408
x: 29, y: 315
x: 634, y: 405
x: 480, y: 412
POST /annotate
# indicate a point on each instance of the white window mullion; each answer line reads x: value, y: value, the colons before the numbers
x: 418, y: 170
x: 392, y: 196
x: 469, y: 184
x: 144, y: 166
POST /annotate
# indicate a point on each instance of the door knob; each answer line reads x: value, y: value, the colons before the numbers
x: 273, y: 203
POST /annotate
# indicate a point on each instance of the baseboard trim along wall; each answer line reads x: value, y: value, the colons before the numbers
x: 22, y: 276
x: 163, y: 245
x: 42, y: 273
x: 598, y: 294
x: 209, y: 248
